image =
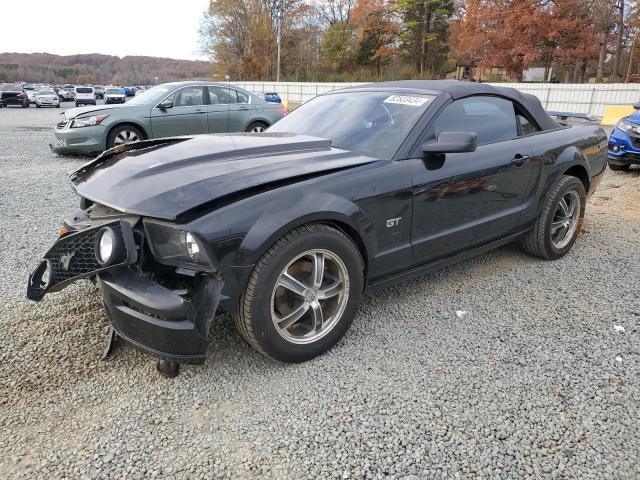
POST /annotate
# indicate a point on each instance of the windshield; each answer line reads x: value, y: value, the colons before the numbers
x: 84, y: 90
x: 10, y: 88
x: 369, y: 123
x: 46, y: 92
x: 151, y: 96
x: 114, y: 91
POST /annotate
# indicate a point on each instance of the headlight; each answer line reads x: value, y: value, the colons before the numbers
x: 193, y: 249
x: 108, y: 247
x: 88, y: 121
x: 173, y: 246
x: 625, y: 126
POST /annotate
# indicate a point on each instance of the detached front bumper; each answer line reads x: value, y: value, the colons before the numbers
x: 157, y: 319
x: 172, y: 323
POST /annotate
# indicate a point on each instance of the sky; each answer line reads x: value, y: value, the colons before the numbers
x: 158, y: 28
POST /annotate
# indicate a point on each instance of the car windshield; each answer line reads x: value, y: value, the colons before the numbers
x: 368, y: 123
x: 84, y: 90
x: 114, y: 91
x: 46, y: 92
x: 10, y: 88
x: 151, y: 96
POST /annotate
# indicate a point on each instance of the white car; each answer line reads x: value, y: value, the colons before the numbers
x: 84, y: 95
x: 47, y: 98
x: 114, y: 95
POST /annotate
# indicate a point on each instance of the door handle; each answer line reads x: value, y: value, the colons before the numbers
x: 519, y: 160
x: 242, y: 109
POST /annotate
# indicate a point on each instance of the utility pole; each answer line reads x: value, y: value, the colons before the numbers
x: 424, y: 34
x: 279, y: 37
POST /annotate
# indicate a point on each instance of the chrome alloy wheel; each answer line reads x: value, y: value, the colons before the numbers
x: 565, y: 219
x: 258, y: 129
x: 125, y: 136
x: 310, y: 296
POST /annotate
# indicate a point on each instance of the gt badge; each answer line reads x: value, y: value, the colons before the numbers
x: 393, y: 222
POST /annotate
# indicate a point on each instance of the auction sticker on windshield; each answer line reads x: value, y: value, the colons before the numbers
x: 406, y: 100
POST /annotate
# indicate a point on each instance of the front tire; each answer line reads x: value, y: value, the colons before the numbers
x: 557, y: 227
x: 123, y: 134
x: 619, y: 167
x: 302, y: 295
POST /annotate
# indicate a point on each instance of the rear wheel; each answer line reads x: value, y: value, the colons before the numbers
x: 123, y: 134
x: 256, y: 127
x: 302, y: 295
x: 619, y: 167
x: 556, y: 229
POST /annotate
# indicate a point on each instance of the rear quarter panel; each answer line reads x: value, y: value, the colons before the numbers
x: 557, y: 151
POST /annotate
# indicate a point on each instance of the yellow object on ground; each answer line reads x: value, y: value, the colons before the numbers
x: 613, y: 113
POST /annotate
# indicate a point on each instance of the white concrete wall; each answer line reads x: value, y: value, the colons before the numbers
x: 582, y: 98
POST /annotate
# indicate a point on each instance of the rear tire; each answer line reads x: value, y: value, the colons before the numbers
x: 256, y: 127
x: 557, y: 227
x: 294, y: 324
x: 618, y: 167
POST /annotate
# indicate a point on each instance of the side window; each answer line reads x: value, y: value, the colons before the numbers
x: 221, y: 95
x: 189, y: 97
x: 492, y: 118
x: 242, y: 97
x: 526, y: 127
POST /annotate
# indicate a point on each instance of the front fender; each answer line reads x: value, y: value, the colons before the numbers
x: 311, y: 207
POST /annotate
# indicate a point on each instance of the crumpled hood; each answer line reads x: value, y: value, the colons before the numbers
x: 74, y: 112
x: 165, y: 178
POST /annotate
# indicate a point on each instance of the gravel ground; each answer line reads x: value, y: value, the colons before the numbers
x: 534, y: 381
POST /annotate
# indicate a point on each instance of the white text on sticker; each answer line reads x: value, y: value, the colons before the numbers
x: 406, y: 100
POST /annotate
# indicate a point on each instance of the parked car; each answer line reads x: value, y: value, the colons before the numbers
x: 13, y: 95
x: 99, y: 91
x: 181, y: 108
x: 624, y: 142
x: 31, y: 93
x: 129, y: 91
x: 287, y: 229
x: 270, y: 97
x: 84, y: 95
x: 47, y: 98
x: 114, y: 95
x: 67, y: 93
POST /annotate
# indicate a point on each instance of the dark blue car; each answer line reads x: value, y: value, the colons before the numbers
x: 624, y: 142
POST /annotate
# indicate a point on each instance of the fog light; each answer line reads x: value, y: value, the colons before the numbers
x: 105, y: 246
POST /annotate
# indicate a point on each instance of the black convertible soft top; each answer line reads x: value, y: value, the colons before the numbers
x: 459, y: 89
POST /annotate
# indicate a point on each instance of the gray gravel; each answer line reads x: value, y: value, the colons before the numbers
x: 526, y: 384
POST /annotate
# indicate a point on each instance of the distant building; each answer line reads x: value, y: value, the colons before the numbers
x: 467, y: 70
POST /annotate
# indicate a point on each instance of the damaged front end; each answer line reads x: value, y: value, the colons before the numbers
x: 159, y: 284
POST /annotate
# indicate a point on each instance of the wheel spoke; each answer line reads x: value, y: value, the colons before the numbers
x: 317, y: 316
x: 572, y: 209
x: 293, y: 317
x: 330, y: 291
x: 563, y: 206
x: 318, y: 270
x: 292, y: 284
x: 555, y: 226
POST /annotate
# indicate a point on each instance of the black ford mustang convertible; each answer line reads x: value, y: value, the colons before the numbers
x: 286, y: 229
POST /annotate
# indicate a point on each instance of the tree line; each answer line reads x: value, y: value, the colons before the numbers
x: 353, y: 40
x: 97, y: 69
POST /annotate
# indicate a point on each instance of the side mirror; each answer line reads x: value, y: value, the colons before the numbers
x: 165, y: 104
x: 452, y: 142
x: 636, y: 106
